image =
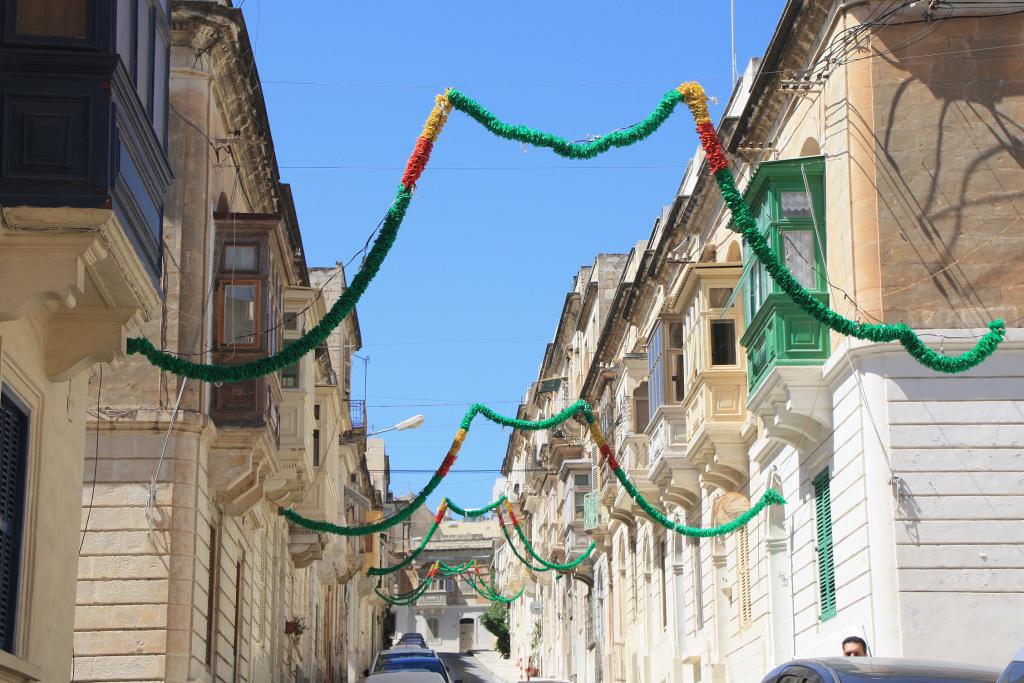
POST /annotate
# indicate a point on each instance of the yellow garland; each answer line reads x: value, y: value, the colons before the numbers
x: 696, y: 100
x: 596, y: 435
x: 460, y: 436
x: 438, y: 117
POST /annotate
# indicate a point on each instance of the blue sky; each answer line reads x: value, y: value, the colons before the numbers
x: 472, y: 290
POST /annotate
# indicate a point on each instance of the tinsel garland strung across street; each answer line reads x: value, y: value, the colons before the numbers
x: 579, y: 407
x: 563, y: 566
x: 770, y: 497
x: 409, y: 597
x: 515, y: 551
x: 745, y: 224
x: 383, y: 571
x: 477, y: 512
x: 489, y: 592
x: 448, y: 570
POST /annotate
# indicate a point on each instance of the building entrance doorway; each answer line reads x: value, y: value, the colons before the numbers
x: 467, y: 628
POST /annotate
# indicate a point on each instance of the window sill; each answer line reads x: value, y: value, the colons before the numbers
x: 15, y: 670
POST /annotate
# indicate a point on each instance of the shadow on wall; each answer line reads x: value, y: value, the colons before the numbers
x: 948, y: 102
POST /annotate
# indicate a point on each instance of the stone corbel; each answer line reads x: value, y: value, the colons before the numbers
x: 677, y: 481
x: 795, y: 406
x: 35, y: 269
x: 726, y: 465
x: 80, y: 337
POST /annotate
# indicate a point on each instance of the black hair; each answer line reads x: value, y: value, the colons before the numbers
x: 857, y: 639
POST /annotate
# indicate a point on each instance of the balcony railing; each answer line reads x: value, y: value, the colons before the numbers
x: 357, y: 410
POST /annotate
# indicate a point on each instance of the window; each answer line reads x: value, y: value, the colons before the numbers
x: 290, y: 377
x: 723, y: 342
x: 211, y: 596
x: 241, y: 258
x: 718, y: 297
x: 53, y: 18
x: 788, y: 208
x: 433, y: 628
x: 14, y: 432
x: 641, y: 414
x: 316, y: 448
x: 292, y: 321
x: 316, y: 411
x: 239, y: 567
x: 826, y: 562
x: 698, y: 582
x: 666, y: 365
x: 664, y: 585
x: 580, y: 487
x: 743, y: 576
x: 240, y: 311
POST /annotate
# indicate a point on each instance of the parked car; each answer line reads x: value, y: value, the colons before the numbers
x: 1014, y: 671
x: 406, y: 677
x: 409, y: 638
x: 433, y: 664
x: 878, y: 670
x: 403, y: 650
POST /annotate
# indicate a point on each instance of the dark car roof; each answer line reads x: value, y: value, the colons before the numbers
x: 404, y: 663
x: 874, y: 669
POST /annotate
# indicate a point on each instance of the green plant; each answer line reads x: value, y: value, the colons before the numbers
x: 538, y: 630
x: 495, y: 620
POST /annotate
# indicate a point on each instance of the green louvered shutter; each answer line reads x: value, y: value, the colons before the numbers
x: 826, y: 562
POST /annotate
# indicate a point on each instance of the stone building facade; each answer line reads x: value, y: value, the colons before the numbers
x: 448, y: 614
x: 82, y: 181
x: 187, y: 572
x: 879, y: 156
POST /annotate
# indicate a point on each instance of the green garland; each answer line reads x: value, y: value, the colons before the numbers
x: 561, y: 146
x: 364, y: 529
x: 406, y: 598
x: 477, y: 512
x: 448, y: 570
x: 512, y: 546
x: 213, y: 372
x: 745, y: 224
x: 572, y: 564
x: 382, y: 571
x: 579, y: 406
x: 770, y: 497
x: 489, y: 594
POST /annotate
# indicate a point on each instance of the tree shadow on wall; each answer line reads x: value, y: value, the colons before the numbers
x: 950, y: 156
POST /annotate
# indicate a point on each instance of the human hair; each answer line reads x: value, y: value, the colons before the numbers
x: 858, y: 640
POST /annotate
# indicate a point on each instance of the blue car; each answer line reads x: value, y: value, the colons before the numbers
x: 415, y: 664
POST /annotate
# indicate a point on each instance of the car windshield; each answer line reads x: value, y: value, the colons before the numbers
x: 413, y: 664
x: 1013, y: 674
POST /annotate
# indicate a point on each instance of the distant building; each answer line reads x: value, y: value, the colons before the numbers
x: 448, y: 614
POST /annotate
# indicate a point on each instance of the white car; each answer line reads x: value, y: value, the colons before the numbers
x: 1014, y: 671
x: 406, y: 677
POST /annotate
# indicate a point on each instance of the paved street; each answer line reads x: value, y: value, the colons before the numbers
x: 466, y: 669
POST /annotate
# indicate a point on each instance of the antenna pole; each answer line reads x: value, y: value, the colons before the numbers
x: 732, y: 32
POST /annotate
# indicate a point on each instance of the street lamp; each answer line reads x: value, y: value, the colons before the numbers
x: 411, y: 423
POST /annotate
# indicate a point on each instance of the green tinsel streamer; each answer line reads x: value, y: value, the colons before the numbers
x: 515, y: 552
x: 382, y: 571
x: 554, y: 565
x: 406, y: 598
x: 212, y: 372
x: 448, y: 570
x: 488, y: 594
x: 561, y: 146
x: 364, y: 529
x: 579, y: 406
x: 478, y: 511
x: 770, y: 497
x: 745, y: 224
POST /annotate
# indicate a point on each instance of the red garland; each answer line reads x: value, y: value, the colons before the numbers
x: 449, y: 460
x: 417, y: 162
x: 513, y: 516
x: 712, y: 147
x: 439, y: 516
x: 606, y: 451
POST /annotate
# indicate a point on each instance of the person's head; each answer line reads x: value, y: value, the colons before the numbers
x: 854, y: 646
